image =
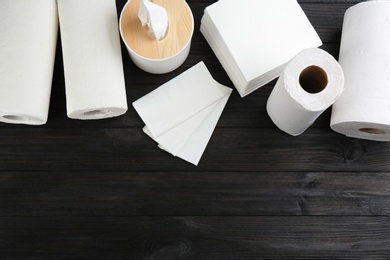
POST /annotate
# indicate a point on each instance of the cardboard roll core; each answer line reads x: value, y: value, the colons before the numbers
x: 373, y: 131
x: 97, y: 112
x: 313, y: 79
x: 15, y: 118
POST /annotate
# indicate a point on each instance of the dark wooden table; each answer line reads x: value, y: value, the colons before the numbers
x: 103, y: 190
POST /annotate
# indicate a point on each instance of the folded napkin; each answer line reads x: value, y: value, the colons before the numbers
x: 181, y: 115
x: 255, y: 46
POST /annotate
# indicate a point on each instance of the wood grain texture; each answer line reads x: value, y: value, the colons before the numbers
x: 230, y: 149
x: 196, y: 237
x: 45, y: 194
x: 103, y: 190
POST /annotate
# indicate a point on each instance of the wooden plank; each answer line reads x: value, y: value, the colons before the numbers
x: 230, y: 149
x: 102, y: 189
x: 195, y: 238
x: 194, y: 193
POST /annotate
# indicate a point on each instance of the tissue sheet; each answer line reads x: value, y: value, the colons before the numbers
x: 181, y: 114
x: 189, y: 139
x: 94, y: 79
x: 155, y: 18
x: 192, y: 150
x: 174, y: 139
x: 28, y: 40
x: 177, y: 100
x: 311, y: 82
x: 264, y: 35
x: 363, y: 110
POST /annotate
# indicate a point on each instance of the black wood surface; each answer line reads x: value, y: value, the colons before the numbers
x: 103, y: 190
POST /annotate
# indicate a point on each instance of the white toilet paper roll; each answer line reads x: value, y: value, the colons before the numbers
x: 94, y: 79
x: 28, y: 39
x: 310, y: 83
x: 363, y: 110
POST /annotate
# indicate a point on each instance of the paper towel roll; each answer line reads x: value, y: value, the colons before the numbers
x: 94, y: 79
x: 28, y: 39
x: 310, y: 83
x: 363, y: 110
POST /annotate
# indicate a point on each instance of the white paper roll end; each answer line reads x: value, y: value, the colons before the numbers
x: 97, y: 113
x: 364, y: 130
x: 13, y: 118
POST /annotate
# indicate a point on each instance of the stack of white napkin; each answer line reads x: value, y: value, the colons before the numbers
x: 254, y: 39
x: 181, y: 115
